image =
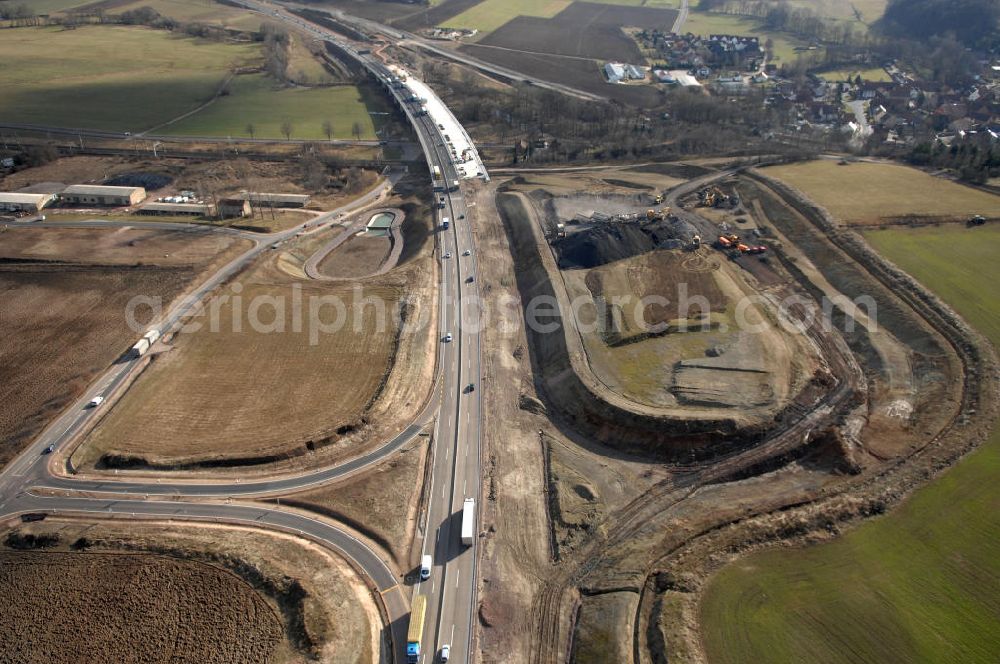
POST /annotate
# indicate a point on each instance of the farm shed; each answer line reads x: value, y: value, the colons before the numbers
x: 86, y: 194
x: 20, y: 202
x: 275, y: 200
x: 194, y: 209
x: 615, y: 72
x: 234, y: 207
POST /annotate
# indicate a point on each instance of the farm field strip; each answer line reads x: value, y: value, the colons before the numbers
x: 868, y: 192
x: 919, y: 584
x: 255, y: 100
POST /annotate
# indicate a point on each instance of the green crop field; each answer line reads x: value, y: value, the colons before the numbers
x: 489, y: 15
x: 866, y: 192
x: 104, y: 77
x: 133, y: 79
x: 255, y: 100
x: 919, y: 585
x: 200, y: 11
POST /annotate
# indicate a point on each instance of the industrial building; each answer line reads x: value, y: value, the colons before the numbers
x: 20, y: 202
x: 261, y: 199
x: 194, y: 209
x: 86, y: 194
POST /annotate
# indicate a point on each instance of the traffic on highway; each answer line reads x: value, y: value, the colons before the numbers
x: 443, y: 602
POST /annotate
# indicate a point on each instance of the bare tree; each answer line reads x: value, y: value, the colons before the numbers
x: 357, y: 130
x: 328, y: 129
x: 286, y: 128
x: 250, y: 130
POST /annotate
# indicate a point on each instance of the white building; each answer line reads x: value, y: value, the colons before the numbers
x: 615, y: 72
x: 19, y: 202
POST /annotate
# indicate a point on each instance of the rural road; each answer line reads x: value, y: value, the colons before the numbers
x: 451, y: 589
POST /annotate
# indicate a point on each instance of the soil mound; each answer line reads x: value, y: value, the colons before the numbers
x: 601, y: 245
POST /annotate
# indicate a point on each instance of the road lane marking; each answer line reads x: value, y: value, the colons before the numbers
x: 458, y: 575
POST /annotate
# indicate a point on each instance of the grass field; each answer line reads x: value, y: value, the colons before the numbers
x: 920, y: 585
x: 109, y: 77
x: 303, y: 67
x: 254, y: 99
x: 133, y: 79
x: 865, y: 192
x: 489, y: 15
x: 200, y: 11
x: 873, y: 74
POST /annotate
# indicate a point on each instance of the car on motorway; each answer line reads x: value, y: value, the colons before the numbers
x: 471, y: 387
x: 426, y: 563
x: 469, y: 279
x: 461, y: 216
x: 447, y: 254
x: 467, y: 252
x: 96, y: 401
x: 448, y: 337
x: 445, y: 652
x: 50, y: 449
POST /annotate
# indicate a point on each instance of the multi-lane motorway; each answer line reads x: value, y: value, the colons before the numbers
x: 454, y: 409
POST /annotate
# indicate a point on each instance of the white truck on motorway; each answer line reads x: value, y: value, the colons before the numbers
x: 144, y: 344
x: 468, y: 521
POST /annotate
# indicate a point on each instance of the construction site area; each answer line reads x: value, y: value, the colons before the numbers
x: 796, y: 384
x: 356, y: 332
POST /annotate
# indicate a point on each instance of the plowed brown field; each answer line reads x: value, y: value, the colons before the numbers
x: 76, y: 607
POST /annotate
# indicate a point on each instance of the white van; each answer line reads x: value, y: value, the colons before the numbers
x: 425, y: 567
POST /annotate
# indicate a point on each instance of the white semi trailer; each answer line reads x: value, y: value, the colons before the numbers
x: 144, y: 344
x: 469, y: 521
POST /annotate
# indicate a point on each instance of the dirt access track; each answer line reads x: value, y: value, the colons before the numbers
x: 63, y: 297
x: 294, y: 369
x: 608, y: 565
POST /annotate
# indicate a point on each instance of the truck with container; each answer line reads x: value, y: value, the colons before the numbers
x: 468, y: 521
x: 140, y: 347
x: 416, y: 629
x: 437, y: 172
x: 445, y: 222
